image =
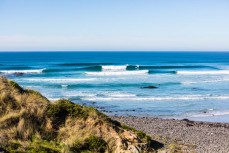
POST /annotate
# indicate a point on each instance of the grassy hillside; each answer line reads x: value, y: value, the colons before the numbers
x: 30, y: 123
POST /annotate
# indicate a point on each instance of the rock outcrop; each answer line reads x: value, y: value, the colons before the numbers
x: 150, y: 87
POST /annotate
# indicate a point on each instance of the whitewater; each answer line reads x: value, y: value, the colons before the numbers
x: 165, y: 84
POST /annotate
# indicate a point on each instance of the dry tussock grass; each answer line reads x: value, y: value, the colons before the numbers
x: 28, y: 121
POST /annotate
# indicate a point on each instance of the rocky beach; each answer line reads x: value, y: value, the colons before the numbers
x: 203, y: 137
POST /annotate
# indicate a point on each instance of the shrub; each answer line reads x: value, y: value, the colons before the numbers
x: 91, y: 144
x: 60, y: 110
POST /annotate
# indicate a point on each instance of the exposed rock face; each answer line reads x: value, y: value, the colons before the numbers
x: 30, y: 123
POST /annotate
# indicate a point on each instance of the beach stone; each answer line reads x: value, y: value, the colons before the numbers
x: 201, y: 137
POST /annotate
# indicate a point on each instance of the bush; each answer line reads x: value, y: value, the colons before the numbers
x: 91, y: 144
x: 60, y: 110
x: 66, y: 108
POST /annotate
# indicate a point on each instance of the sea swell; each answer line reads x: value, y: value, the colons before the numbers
x: 163, y: 98
x: 218, y: 72
x: 59, y: 80
x: 117, y: 73
x: 83, y: 64
x: 21, y: 71
x: 106, y: 69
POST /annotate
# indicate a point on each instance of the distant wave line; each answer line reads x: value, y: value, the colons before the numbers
x: 59, y: 80
x: 117, y: 73
x: 155, y: 98
x: 203, y: 72
x: 83, y: 64
x: 21, y: 71
x: 205, y: 81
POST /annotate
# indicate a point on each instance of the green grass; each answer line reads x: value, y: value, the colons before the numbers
x: 92, y: 144
x: 32, y: 92
x: 63, y: 108
x: 16, y: 86
x: 36, y: 145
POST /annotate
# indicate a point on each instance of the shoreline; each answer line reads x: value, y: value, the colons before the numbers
x: 210, y: 119
x: 205, y: 136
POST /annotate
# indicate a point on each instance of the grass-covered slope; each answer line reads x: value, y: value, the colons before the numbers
x: 30, y: 123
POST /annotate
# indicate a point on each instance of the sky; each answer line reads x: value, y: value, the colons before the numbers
x: 114, y: 25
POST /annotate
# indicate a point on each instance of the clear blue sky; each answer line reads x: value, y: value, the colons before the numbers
x: 149, y: 25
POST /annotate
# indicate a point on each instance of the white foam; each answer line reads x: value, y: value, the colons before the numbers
x: 221, y: 113
x: 80, y: 94
x: 53, y: 99
x: 214, y: 113
x: 123, y: 95
x: 60, y: 80
x: 203, y: 72
x: 205, y: 81
x: 108, y: 73
x: 114, y: 68
x: 134, y: 98
x: 21, y: 71
x: 117, y: 94
x: 64, y: 86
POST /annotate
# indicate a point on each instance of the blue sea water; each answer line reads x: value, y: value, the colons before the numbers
x: 189, y: 84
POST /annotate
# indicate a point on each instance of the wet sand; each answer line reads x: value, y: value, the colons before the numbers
x: 207, y: 137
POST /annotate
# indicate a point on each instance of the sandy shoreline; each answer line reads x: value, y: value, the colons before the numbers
x: 208, y: 137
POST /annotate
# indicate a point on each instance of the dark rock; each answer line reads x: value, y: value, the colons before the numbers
x: 3, y: 150
x: 189, y: 124
x: 19, y: 74
x: 150, y: 87
x: 187, y: 120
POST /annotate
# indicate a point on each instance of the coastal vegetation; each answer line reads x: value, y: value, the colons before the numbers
x: 29, y: 122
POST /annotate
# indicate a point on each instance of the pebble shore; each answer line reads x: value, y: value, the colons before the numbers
x: 207, y: 137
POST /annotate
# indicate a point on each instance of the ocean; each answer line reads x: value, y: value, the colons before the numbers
x: 183, y: 84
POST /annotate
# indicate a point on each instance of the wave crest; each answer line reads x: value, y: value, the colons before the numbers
x: 114, y: 68
x: 115, y: 73
x: 132, y: 98
x: 22, y: 71
x: 203, y: 72
x: 60, y: 80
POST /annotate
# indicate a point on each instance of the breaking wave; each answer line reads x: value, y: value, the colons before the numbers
x: 114, y: 68
x: 203, y: 72
x: 83, y: 64
x: 133, y: 98
x: 93, y: 66
x: 115, y: 73
x: 21, y: 71
x: 205, y: 81
x: 59, y: 80
x: 212, y: 113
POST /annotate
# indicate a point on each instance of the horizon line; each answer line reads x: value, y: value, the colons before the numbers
x: 114, y: 51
